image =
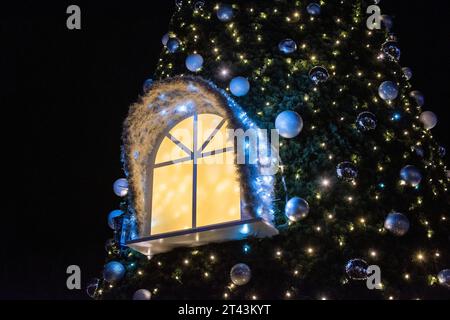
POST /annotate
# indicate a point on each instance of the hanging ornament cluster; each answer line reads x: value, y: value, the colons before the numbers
x: 240, y: 274
x: 289, y: 124
x: 411, y: 175
x: 239, y: 86
x: 366, y: 121
x: 319, y: 74
x: 347, y: 171
x: 397, y: 224
x: 287, y: 46
x: 225, y: 12
x: 113, y: 271
x: 428, y: 119
x: 313, y: 9
x: 388, y: 91
x: 356, y: 269
x: 194, y: 62
x: 296, y: 209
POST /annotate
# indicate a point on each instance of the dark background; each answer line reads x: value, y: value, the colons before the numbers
x: 64, y: 96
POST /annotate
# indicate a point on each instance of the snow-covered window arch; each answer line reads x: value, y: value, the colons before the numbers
x: 166, y: 193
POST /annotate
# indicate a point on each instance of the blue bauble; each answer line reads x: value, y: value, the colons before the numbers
x: 289, y: 124
x: 239, y: 86
x: 112, y: 215
x: 411, y: 175
x: 444, y: 278
x: 165, y: 38
x: 388, y: 90
x: 319, y: 74
x: 419, y: 97
x: 397, y: 224
x: 225, y: 13
x: 147, y: 85
x: 407, y: 72
x: 113, y: 271
x: 120, y: 187
x: 240, y: 274
x: 287, y: 46
x: 313, y: 9
x: 391, y: 50
x: 429, y: 119
x: 347, y: 171
x: 296, y: 209
x: 356, y: 269
x: 366, y: 121
x: 142, y: 294
x: 173, y: 44
x: 194, y: 62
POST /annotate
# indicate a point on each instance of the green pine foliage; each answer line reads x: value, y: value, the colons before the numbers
x: 307, y: 260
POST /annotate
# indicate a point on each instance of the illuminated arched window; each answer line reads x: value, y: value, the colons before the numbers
x: 194, y: 179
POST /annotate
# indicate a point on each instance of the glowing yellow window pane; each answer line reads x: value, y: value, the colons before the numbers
x: 172, y: 198
x: 218, y: 192
x: 169, y: 151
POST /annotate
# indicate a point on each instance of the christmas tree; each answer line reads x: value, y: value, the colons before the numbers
x: 360, y: 189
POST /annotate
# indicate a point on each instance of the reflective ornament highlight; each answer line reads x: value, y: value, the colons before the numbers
x: 296, y: 209
x: 289, y: 124
x: 225, y: 13
x: 173, y: 44
x: 313, y: 9
x: 113, y: 271
x: 142, y: 294
x: 194, y: 62
x: 240, y: 274
x: 444, y: 278
x: 287, y: 46
x: 407, y: 72
x: 120, y: 187
x: 366, y: 121
x: 442, y: 151
x: 319, y: 74
x: 347, y: 171
x: 428, y: 119
x: 179, y: 3
x: 419, y: 97
x: 356, y: 269
x: 411, y: 175
x: 397, y: 224
x: 239, y: 86
x: 112, y: 215
x: 388, y: 90
x: 391, y: 50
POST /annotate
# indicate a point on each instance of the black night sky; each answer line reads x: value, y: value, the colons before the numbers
x: 68, y: 93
